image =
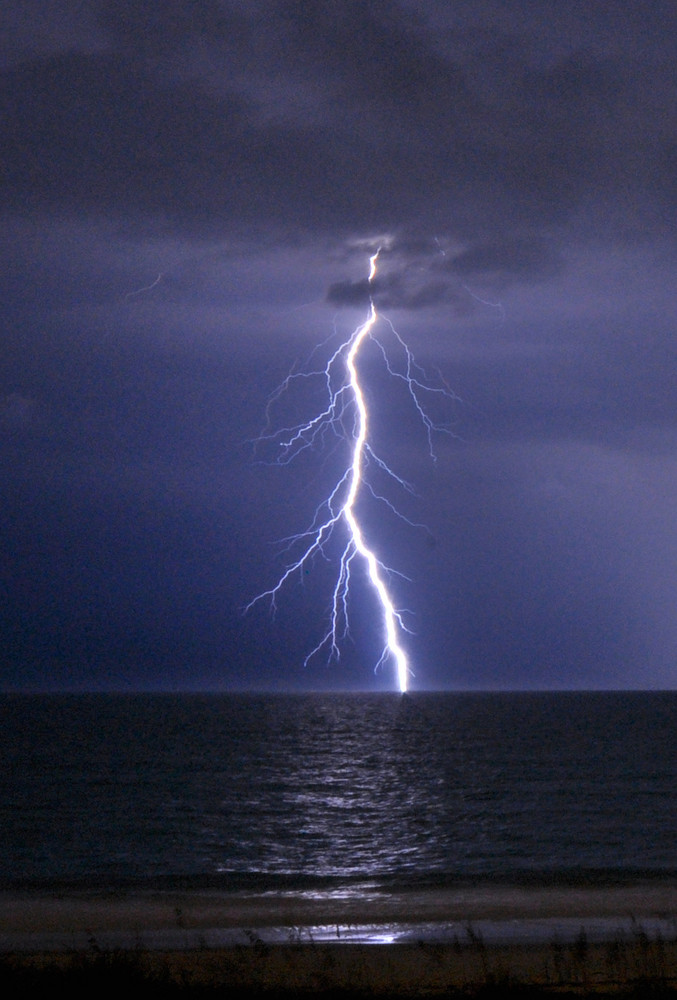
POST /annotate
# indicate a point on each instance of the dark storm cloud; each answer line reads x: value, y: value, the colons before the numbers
x: 525, y: 260
x: 331, y: 117
x: 120, y: 145
x: 351, y: 293
x: 427, y: 275
x: 396, y: 291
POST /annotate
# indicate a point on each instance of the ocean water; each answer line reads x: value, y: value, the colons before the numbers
x: 337, y: 791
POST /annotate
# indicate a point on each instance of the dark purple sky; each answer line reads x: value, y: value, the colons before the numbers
x: 520, y: 162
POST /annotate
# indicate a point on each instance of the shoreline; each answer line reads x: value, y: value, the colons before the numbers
x: 132, y: 910
x: 388, y: 944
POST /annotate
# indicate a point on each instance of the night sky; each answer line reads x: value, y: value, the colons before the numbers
x: 190, y: 194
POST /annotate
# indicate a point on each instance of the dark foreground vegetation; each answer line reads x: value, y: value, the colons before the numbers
x: 126, y: 974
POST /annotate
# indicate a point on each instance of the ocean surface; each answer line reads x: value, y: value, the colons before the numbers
x: 336, y: 792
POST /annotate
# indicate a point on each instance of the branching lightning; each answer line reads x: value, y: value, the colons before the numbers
x: 346, y: 405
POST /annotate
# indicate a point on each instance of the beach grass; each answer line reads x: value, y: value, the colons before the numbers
x: 633, y: 968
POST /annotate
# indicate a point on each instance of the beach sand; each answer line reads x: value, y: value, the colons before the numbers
x: 574, y: 937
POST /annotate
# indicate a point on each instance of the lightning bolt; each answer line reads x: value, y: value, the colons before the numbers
x: 347, y: 400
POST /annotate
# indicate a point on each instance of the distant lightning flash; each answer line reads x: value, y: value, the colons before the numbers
x: 344, y: 400
x: 146, y: 288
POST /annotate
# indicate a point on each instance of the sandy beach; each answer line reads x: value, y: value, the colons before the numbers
x: 422, y: 943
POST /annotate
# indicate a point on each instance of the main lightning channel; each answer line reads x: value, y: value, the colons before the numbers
x: 391, y: 618
x: 346, y: 401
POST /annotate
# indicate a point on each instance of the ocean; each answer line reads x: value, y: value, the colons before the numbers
x: 339, y: 793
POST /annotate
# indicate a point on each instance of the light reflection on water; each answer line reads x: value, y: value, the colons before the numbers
x: 325, y: 792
